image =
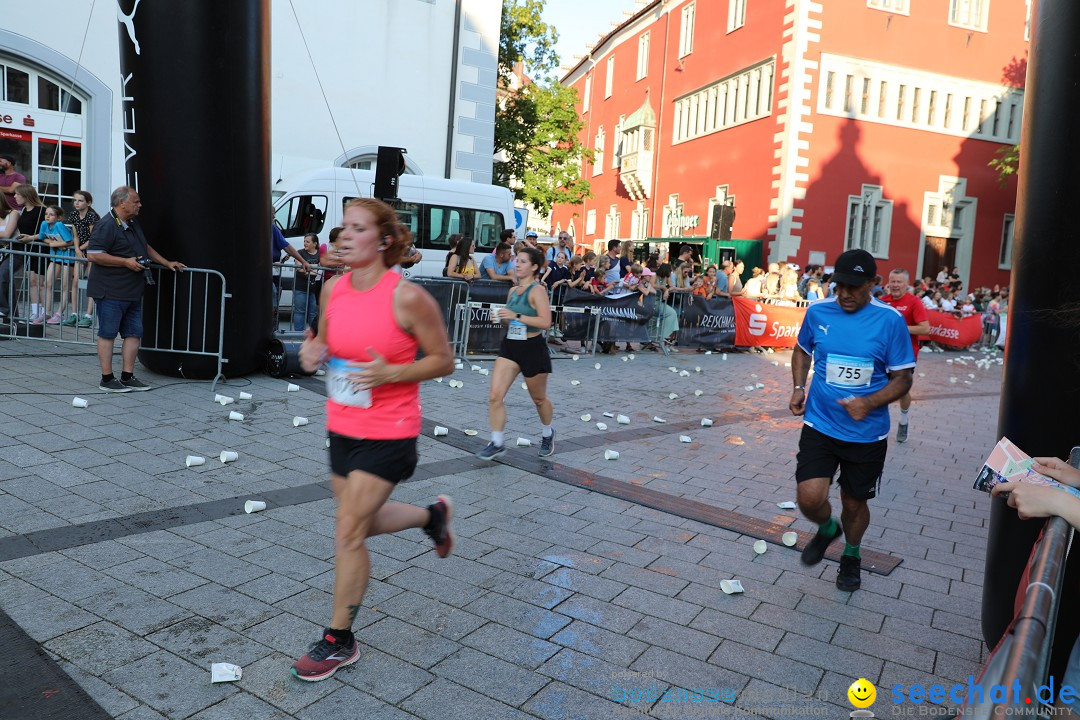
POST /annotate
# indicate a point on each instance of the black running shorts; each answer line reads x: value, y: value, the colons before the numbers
x: 531, y: 355
x: 391, y: 460
x: 861, y: 464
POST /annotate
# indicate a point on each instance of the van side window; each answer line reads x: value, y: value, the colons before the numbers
x: 301, y: 214
x: 482, y: 226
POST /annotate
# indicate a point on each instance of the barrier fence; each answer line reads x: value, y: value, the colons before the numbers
x: 182, y: 312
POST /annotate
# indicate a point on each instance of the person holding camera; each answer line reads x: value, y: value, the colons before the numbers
x: 120, y: 259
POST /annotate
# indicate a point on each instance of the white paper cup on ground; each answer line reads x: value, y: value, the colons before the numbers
x: 225, y: 672
x: 254, y: 506
x: 575, y: 382
x: 194, y: 460
x: 684, y: 373
x: 759, y: 386
x: 524, y: 386
x: 706, y: 422
x: 723, y: 356
x: 611, y: 455
x: 601, y: 426
x: 298, y: 421
x: 622, y: 420
x: 698, y: 393
x: 657, y: 419
x: 697, y: 368
x: 625, y: 359
x: 485, y: 371
x: 440, y: 430
x: 749, y: 388
x: 245, y: 396
x: 470, y: 433
x: 233, y: 415
x: 609, y: 414
x: 226, y: 400
x: 631, y: 356
x: 439, y: 380
x: 292, y: 388
x: 673, y: 369
x: 575, y: 358
x: 760, y: 547
x: 228, y: 456
x: 586, y: 417
x: 672, y: 396
x: 327, y: 442
x: 685, y: 439
x: 786, y: 505
x: 731, y: 587
x: 79, y: 402
x: 524, y: 442
x: 790, y: 538
x: 475, y: 368
x: 709, y: 352
x: 596, y: 366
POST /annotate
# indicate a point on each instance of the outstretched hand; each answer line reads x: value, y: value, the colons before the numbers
x: 312, y: 352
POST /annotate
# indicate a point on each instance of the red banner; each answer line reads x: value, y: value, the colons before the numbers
x: 947, y: 329
x: 763, y: 325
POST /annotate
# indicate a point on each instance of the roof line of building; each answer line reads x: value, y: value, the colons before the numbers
x: 644, y: 9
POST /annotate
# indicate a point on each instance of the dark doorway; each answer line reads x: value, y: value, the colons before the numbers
x: 940, y: 254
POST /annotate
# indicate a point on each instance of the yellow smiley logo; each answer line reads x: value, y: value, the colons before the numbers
x: 862, y: 693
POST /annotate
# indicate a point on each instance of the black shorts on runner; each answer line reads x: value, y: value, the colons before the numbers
x: 531, y: 355
x: 391, y: 460
x: 861, y: 464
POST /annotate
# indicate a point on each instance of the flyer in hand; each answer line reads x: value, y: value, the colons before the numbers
x: 1008, y: 463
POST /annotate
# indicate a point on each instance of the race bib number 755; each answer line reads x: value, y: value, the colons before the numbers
x: 847, y: 371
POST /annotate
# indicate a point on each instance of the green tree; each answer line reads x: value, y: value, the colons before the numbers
x: 1006, y: 163
x: 538, y: 151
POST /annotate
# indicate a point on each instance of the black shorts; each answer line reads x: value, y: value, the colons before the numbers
x: 861, y: 464
x: 391, y: 460
x: 531, y: 355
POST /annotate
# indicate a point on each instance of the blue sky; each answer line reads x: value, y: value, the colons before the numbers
x: 580, y: 22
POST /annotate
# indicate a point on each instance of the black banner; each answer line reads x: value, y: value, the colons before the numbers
x: 623, y: 319
x: 486, y: 336
x: 707, y: 323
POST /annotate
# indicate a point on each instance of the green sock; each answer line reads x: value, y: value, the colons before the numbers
x: 828, y: 528
x: 852, y: 550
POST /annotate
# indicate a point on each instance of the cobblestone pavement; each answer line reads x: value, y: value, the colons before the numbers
x: 560, y: 602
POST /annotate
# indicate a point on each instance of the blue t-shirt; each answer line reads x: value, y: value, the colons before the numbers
x: 852, y: 352
x: 279, y: 243
x: 489, y: 261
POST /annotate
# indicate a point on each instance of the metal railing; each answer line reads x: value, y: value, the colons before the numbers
x: 1023, y: 655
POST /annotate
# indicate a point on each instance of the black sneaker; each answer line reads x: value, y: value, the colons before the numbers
x: 849, y: 578
x: 491, y: 452
x: 134, y: 384
x: 901, y: 433
x: 547, y: 444
x: 114, y: 385
x: 442, y: 511
x: 325, y: 658
x: 815, y: 549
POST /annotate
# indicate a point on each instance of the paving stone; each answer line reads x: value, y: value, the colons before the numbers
x: 219, y: 567
x: 100, y: 647
x: 269, y: 680
x: 768, y: 700
x: 661, y: 633
x: 111, y: 700
x: 544, y: 594
x: 668, y: 665
x: 285, y: 633
x: 271, y: 588
x: 559, y: 701
x: 436, y: 586
x: 843, y: 614
x: 650, y: 603
x: 168, y: 684
x: 202, y: 641
x: 350, y: 702
x: 577, y: 560
x: 430, y: 703
x: 742, y: 605
x: 510, y: 645
x: 826, y: 656
x: 47, y: 617
x: 657, y: 579
x: 384, y: 676
x: 516, y: 563
x: 769, y: 667
x: 431, y: 615
x: 100, y: 556
x: 600, y: 643
x: 407, y: 642
x: 241, y: 706
x: 291, y: 564
x: 585, y: 583
x: 586, y: 672
x: 490, y: 676
x: 233, y: 610
x: 519, y: 615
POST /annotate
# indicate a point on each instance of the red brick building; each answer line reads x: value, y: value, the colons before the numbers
x: 828, y: 125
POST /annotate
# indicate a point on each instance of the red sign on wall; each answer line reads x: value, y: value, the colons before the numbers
x: 15, y: 135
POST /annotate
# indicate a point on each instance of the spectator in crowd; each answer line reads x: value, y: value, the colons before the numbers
x: 789, y: 286
x: 947, y: 304
x: 83, y: 220
x: 653, y: 262
x: 706, y: 285
x: 813, y: 290
x: 564, y: 246
x: 411, y: 256
x: 967, y: 309
x: 9, y: 264
x: 686, y: 257
x: 808, y: 273
x: 508, y: 236
x: 590, y: 265
x: 942, y: 276
x: 578, y: 273
x: 665, y: 325
x: 955, y: 283
x: 633, y: 277
x: 931, y: 300
x: 453, y: 241
x: 498, y: 265
x: 879, y: 286
x: 599, y: 285
x: 280, y: 245
x: 680, y: 277
x: 626, y: 257
x: 461, y: 265
x: 755, y: 286
x: 332, y: 257
x: 117, y: 282
x: 991, y: 321
x: 307, y: 284
x: 530, y: 240
x: 61, y: 242
x: 10, y: 180
x: 556, y: 274
x: 734, y: 278
x: 614, y: 271
x: 31, y: 217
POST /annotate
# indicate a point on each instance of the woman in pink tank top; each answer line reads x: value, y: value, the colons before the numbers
x: 371, y: 324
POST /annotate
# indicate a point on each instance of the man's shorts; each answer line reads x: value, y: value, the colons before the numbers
x: 391, y: 460
x: 861, y: 464
x: 119, y: 316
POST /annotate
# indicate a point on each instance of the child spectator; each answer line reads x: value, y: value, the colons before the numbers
x: 990, y: 321
x: 633, y: 277
x: 557, y: 274
x: 813, y: 290
x: 705, y: 286
x: 83, y: 220
x: 967, y: 309
x: 60, y: 239
x: 578, y: 274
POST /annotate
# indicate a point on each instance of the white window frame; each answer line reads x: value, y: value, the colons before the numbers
x: 610, y: 79
x: 1008, y: 232
x: 639, y: 222
x: 862, y: 212
x: 643, y: 56
x: 1027, y: 22
x: 612, y: 221
x: 686, y: 31
x: 897, y: 7
x: 733, y: 100
x: 969, y: 14
x: 590, y: 222
x: 598, y: 151
x: 586, y: 100
x: 617, y: 145
x: 736, y: 16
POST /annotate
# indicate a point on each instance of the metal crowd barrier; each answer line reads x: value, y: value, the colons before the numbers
x: 188, y: 308
x: 1023, y: 655
x: 478, y: 310
x: 452, y: 296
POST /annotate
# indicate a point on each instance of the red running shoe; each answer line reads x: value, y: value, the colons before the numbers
x: 325, y: 658
x: 442, y: 512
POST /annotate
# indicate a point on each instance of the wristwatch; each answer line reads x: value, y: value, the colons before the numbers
x: 800, y: 387
x: 517, y: 316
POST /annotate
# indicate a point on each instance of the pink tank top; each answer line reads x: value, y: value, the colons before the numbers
x: 355, y: 322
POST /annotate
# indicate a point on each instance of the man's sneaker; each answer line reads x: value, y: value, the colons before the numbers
x: 324, y: 658
x: 54, y: 319
x: 442, y: 535
x: 849, y: 578
x: 114, y: 385
x: 86, y: 321
x: 547, y: 444
x: 71, y: 320
x: 901, y: 433
x: 491, y: 452
x: 135, y: 384
x: 815, y: 549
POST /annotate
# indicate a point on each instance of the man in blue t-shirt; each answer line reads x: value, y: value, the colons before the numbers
x: 498, y: 265
x: 861, y: 350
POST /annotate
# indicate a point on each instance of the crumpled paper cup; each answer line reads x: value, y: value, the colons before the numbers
x: 706, y: 422
x: 601, y: 426
x: 786, y: 505
x: 790, y: 538
x: 622, y: 420
x: 223, y: 399
x: 760, y: 547
x: 586, y: 417
x: 685, y: 439
x: 731, y: 587
x: 658, y: 419
x: 225, y: 672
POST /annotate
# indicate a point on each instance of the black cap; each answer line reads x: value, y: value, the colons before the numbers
x: 854, y: 267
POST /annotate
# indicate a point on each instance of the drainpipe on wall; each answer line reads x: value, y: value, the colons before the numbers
x: 453, y: 89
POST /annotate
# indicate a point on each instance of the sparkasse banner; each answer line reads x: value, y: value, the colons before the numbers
x: 761, y: 325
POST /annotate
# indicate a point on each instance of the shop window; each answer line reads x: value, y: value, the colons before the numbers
x: 59, y: 171
x: 16, y: 86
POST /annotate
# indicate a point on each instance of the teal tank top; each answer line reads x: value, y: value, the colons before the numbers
x: 519, y: 303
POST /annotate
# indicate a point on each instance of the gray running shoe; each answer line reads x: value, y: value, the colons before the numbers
x: 114, y: 386
x: 135, y: 384
x: 491, y: 452
x: 901, y: 433
x: 547, y: 444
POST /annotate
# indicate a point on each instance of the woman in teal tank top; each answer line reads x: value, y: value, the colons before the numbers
x: 523, y: 350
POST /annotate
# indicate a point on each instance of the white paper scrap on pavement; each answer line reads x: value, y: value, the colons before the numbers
x: 731, y: 587
x: 786, y: 505
x: 225, y: 672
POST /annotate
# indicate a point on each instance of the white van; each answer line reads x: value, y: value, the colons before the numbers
x: 432, y: 208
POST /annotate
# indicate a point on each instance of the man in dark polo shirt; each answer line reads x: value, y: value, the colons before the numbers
x: 117, y: 282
